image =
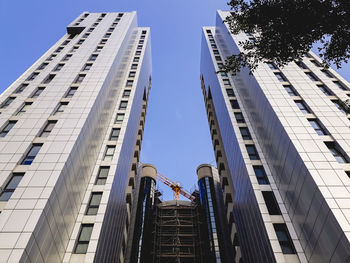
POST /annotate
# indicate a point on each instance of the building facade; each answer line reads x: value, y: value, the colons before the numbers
x: 70, y: 137
x: 281, y: 141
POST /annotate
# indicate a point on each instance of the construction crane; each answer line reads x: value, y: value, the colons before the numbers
x: 177, y: 189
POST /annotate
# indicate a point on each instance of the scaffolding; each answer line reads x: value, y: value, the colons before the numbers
x: 176, y: 233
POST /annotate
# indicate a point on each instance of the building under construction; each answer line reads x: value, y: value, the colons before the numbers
x: 178, y: 231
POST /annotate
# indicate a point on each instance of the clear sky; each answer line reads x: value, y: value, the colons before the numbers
x: 176, y: 138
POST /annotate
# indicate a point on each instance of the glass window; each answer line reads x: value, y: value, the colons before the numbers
x: 245, y: 133
x: 335, y: 151
x: 86, y: 35
x: 119, y: 118
x: 58, y: 67
x: 109, y: 153
x: 301, y: 65
x: 280, y: 77
x: 302, y: 106
x: 339, y: 106
x: 271, y: 65
x: 103, y: 41
x: 317, y: 127
x: 107, y: 35
x: 51, y: 57
x: 49, y: 78
x: 93, y: 57
x: 290, y: 90
x: 138, y: 53
x: 74, y: 49
x: 134, y: 66
x: 59, y: 49
x: 123, y: 105
x: 38, y: 92
x: 139, y: 47
x: 32, y: 76
x: 327, y: 73
x: 136, y: 59
x: 31, y: 154
x: 71, y: 92
x: 340, y: 85
x: 230, y: 92
x: 61, y: 107
x: 98, y: 49
x: 65, y: 42
x: 132, y: 74
x: 48, y: 128
x: 234, y: 104
x: 252, y: 152
x: 21, y: 88
x: 114, y: 134
x: 90, y: 29
x: 284, y: 239
x: 24, y: 108
x: 126, y: 93
x: 129, y: 83
x: 239, y: 117
x: 11, y: 186
x: 67, y: 57
x: 81, y: 41
x: 7, y: 128
x: 87, y: 67
x: 226, y: 82
x: 311, y: 76
x: 102, y: 176
x: 325, y: 90
x: 42, y: 66
x: 79, y: 78
x: 271, y: 203
x: 316, y: 63
x: 7, y: 102
x: 94, y: 203
x: 83, y: 239
x: 261, y: 175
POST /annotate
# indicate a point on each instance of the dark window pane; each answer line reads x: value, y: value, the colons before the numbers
x: 284, y: 239
x: 261, y: 175
x: 271, y: 203
x: 245, y: 133
x: 239, y: 117
x: 253, y: 154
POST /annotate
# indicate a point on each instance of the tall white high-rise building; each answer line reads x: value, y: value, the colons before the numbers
x: 282, y: 143
x: 70, y: 137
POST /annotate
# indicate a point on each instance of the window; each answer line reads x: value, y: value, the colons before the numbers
x: 123, y: 105
x: 38, y: 92
x: 245, y: 133
x: 253, y: 154
x: 226, y: 82
x: 218, y: 58
x: 339, y: 106
x: 7, y: 128
x: 32, y: 76
x: 24, y: 108
x: 110, y: 29
x: 271, y: 65
x: 327, y: 73
x: 48, y: 79
x: 103, y: 41
x: 98, y: 49
x: 301, y: 65
x: 93, y: 57
x: 109, y: 152
x: 325, y: 90
x: 230, y: 92
x: 261, y: 175
x: 94, y: 203
x: 317, y: 127
x: 335, y: 151
x: 339, y: 85
x: 290, y: 90
x: 284, y: 239
x: 138, y: 53
x: 302, y: 107
x: 61, y: 107
x: 51, y: 57
x: 239, y: 117
x: 90, y: 29
x: 42, y: 66
x: 65, y: 42
x: 86, y: 35
x: 271, y: 203
x: 21, y: 88
x: 102, y: 175
x: 134, y: 66
x: 141, y: 42
x: 31, y: 154
x: 132, y: 74
x: 11, y: 186
x: 83, y: 239
x: 216, y: 52
x: 7, y: 102
x: 71, y: 92
x: 119, y: 118
x: 67, y: 57
x: 59, y: 49
x: 136, y: 59
x: 126, y: 93
x: 48, y: 128
x: 139, y: 47
x: 234, y: 104
x: 79, y: 78
x: 129, y: 83
x: 81, y: 41
x: 58, y: 67
x: 114, y: 134
x: 280, y: 77
x: 316, y: 63
x: 74, y: 49
x: 87, y: 67
x: 107, y: 35
x: 311, y: 76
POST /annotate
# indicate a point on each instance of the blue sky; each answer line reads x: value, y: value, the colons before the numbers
x: 176, y: 138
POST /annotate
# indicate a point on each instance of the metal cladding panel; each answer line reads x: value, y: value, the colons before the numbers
x: 250, y: 227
